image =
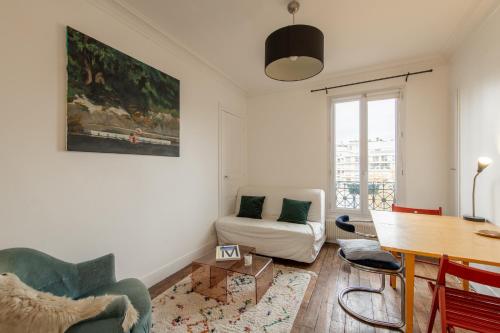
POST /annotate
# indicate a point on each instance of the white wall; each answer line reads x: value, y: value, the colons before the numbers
x: 289, y: 134
x: 153, y: 212
x: 475, y: 70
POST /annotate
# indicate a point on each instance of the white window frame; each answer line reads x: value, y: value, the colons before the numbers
x: 364, y: 97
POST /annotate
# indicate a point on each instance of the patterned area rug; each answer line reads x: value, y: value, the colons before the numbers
x: 179, y: 309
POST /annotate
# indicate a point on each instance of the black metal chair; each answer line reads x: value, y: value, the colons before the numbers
x: 373, y: 266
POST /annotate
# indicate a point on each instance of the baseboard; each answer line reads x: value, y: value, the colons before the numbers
x: 161, y: 273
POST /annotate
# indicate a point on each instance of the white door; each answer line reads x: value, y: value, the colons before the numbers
x: 231, y: 167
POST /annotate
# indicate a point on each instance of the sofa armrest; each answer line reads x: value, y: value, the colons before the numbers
x: 96, y: 273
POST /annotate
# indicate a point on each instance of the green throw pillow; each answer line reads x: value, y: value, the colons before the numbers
x: 294, y: 211
x: 251, y: 207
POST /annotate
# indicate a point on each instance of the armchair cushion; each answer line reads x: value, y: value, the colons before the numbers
x: 111, y: 325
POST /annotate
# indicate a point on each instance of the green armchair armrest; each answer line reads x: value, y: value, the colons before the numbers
x: 94, y: 274
x: 136, y: 292
x: 112, y: 317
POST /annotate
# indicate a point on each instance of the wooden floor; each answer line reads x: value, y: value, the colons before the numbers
x: 320, y: 311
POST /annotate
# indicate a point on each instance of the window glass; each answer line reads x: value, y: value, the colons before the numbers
x: 347, y: 152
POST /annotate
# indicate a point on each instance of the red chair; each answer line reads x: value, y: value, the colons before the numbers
x: 464, y: 309
x: 401, y: 209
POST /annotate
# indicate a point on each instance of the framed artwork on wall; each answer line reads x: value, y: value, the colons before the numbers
x: 117, y: 104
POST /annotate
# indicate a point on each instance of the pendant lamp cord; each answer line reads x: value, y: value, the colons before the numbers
x: 293, y: 7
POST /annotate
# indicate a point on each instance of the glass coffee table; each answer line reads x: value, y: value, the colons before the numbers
x: 210, y: 277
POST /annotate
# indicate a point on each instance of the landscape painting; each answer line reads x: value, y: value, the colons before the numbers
x: 117, y: 104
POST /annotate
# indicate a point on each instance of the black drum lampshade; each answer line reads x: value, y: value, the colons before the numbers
x: 294, y: 53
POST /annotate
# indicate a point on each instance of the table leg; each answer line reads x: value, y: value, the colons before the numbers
x: 410, y: 283
x: 465, y: 283
x: 263, y: 282
x: 209, y: 281
x: 392, y: 277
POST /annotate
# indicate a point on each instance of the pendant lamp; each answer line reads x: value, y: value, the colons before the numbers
x: 294, y: 52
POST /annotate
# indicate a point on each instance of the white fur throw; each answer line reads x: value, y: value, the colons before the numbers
x: 24, y: 309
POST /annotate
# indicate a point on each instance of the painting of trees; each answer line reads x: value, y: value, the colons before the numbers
x: 117, y: 103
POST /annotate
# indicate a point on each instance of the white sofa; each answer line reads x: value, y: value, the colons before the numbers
x: 300, y: 242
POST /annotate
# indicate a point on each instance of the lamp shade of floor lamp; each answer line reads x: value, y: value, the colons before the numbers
x: 482, y: 163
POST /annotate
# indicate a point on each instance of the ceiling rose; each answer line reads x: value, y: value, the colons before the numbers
x: 294, y: 52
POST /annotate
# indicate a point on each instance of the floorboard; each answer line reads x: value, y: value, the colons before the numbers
x: 320, y: 311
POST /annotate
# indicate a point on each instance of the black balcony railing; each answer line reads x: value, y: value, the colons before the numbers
x: 380, y: 195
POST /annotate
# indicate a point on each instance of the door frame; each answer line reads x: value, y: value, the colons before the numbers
x: 457, y: 167
x: 221, y: 109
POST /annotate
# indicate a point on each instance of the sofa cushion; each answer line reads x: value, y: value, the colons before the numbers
x: 268, y: 230
x: 300, y: 242
x: 251, y: 207
x: 312, y: 230
x: 294, y: 211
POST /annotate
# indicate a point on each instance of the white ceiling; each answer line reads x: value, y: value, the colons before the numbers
x: 230, y: 34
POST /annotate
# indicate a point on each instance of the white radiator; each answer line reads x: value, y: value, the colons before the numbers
x: 333, y: 232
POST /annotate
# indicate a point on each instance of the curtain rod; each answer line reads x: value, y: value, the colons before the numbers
x: 374, y: 80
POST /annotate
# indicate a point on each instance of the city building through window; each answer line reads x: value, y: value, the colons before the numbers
x: 364, y: 152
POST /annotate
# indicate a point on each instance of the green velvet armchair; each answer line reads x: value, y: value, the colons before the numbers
x: 91, y: 278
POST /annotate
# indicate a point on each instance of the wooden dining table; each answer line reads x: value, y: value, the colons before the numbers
x: 433, y: 236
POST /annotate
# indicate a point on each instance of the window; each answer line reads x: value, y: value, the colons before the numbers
x: 364, y: 152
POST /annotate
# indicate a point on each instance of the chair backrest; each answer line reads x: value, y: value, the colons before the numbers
x: 274, y: 200
x: 343, y: 223
x: 402, y: 209
x: 41, y: 271
x: 467, y: 273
